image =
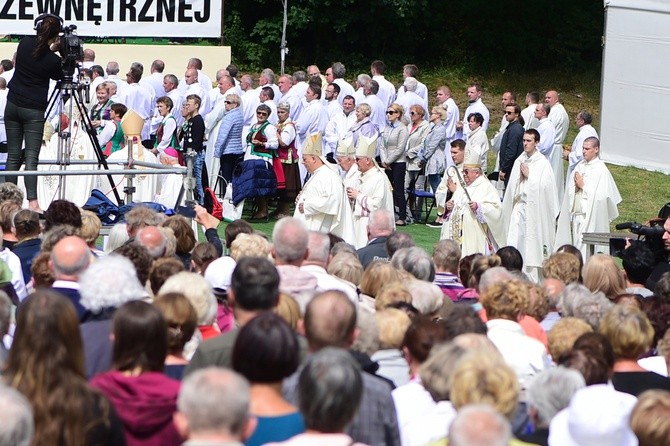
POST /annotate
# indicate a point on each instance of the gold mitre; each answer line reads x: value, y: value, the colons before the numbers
x: 472, y: 160
x: 367, y: 146
x: 132, y: 124
x: 314, y: 146
x: 345, y: 147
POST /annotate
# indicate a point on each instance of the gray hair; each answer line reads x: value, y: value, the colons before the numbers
x: 479, y: 425
x: 381, y: 222
x: 284, y: 106
x: 446, y: 255
x: 365, y: 108
x: 569, y: 296
x: 591, y: 308
x: 410, y: 84
x: 330, y: 388
x: 436, y: 372
x: 118, y: 235
x: 426, y: 296
x: 110, y: 281
x: 299, y: 76
x: 112, y: 67
x: 5, y: 313
x: 197, y: 290
x: 232, y: 97
x: 550, y: 391
x: 290, y: 239
x: 367, y: 340
x: 214, y: 399
x: 492, y: 276
x: 338, y: 70
x: 415, y: 261
x: 269, y: 74
x: 319, y: 247
x: 18, y: 426
x: 363, y: 79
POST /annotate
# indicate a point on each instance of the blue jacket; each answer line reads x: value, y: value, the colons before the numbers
x: 253, y: 178
x: 229, y: 139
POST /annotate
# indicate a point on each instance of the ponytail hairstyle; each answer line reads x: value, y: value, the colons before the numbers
x: 48, y: 26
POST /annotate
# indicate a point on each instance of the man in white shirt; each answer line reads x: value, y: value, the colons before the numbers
x: 202, y: 78
x: 586, y: 130
x: 8, y: 73
x: 267, y: 79
x: 444, y: 98
x: 290, y: 95
x: 138, y: 98
x: 475, y: 105
x: 559, y: 118
x: 193, y: 86
x: 170, y: 84
x: 215, y: 93
x: 378, y: 115
x: 313, y: 118
x: 112, y: 71
x: 155, y: 80
x: 546, y: 130
x: 333, y: 107
x: 337, y: 72
x: 386, y: 89
x: 528, y: 113
x: 300, y: 83
x: 361, y: 81
x: 89, y: 58
x: 250, y: 100
x: 410, y: 70
x: 339, y: 125
x: 266, y: 96
x: 410, y: 97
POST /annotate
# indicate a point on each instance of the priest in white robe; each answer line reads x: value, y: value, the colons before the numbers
x: 559, y: 118
x: 346, y: 159
x: 474, y: 213
x: 322, y: 203
x: 373, y: 192
x: 586, y: 130
x: 590, y: 201
x: 530, y: 206
x: 448, y: 184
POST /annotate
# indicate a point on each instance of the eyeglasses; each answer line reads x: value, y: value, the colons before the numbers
x: 510, y: 113
x: 229, y: 102
x: 391, y: 112
x: 413, y: 113
x: 261, y: 113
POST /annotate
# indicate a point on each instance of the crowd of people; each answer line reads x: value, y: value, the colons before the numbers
x: 302, y: 339
x: 337, y: 329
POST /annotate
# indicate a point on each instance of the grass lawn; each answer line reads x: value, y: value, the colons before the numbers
x: 643, y: 192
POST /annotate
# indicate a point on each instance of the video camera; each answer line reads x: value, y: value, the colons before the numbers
x: 71, y: 50
x: 653, y: 237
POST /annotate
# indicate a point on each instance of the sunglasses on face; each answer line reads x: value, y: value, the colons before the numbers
x: 391, y: 112
x: 261, y: 113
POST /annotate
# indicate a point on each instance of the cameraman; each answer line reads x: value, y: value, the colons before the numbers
x: 35, y: 65
x: 664, y: 266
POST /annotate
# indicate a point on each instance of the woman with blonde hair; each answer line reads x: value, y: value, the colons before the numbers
x: 431, y: 155
x: 629, y: 331
x: 601, y: 273
x: 392, y: 156
x: 377, y: 274
x: 417, y: 130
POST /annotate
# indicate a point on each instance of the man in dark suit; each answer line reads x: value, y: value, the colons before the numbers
x: 70, y: 257
x: 380, y: 226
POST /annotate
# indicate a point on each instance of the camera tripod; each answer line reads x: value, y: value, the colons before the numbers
x: 69, y: 92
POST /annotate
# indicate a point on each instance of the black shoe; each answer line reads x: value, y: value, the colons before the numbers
x: 434, y: 224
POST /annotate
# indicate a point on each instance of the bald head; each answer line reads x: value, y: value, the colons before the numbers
x: 330, y: 321
x: 69, y: 258
x: 152, y: 239
x: 551, y: 98
x: 191, y: 76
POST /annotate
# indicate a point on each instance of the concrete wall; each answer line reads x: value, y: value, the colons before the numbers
x: 175, y: 56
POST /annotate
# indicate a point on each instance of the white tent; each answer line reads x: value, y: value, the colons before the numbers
x: 635, y: 97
